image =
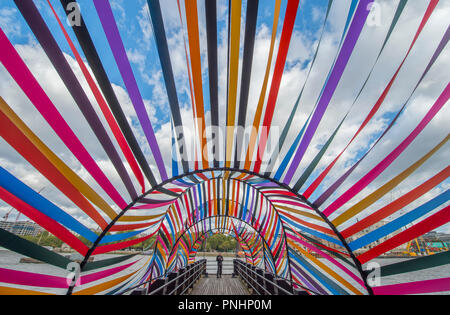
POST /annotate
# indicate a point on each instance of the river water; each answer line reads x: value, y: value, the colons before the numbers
x: 11, y: 260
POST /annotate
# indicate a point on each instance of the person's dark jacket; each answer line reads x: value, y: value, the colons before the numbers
x: 219, y: 260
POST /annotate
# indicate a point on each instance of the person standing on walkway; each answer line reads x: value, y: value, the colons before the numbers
x: 219, y: 260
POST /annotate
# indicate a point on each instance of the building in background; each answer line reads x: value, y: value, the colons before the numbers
x: 21, y: 228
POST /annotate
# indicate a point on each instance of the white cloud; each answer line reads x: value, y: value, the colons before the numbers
x: 7, y: 20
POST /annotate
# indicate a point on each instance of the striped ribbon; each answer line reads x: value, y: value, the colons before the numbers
x: 249, y: 46
x: 294, y: 109
x: 90, y: 52
x: 106, y: 16
x: 286, y: 35
x: 386, y: 188
x: 19, y: 136
x: 166, y: 65
x: 262, y: 97
x: 419, y: 287
x: 353, y: 34
x: 380, y: 100
x: 104, y: 107
x: 194, y: 47
x: 378, y: 169
x: 41, y: 31
x: 22, y: 75
x: 211, y: 34
x: 235, y: 33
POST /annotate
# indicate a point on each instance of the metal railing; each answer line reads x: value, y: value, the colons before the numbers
x: 266, y: 283
x: 175, y: 283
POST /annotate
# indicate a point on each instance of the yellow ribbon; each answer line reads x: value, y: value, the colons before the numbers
x: 259, y: 109
x: 194, y: 48
x: 325, y: 268
x: 376, y: 195
x: 235, y: 29
x: 70, y: 175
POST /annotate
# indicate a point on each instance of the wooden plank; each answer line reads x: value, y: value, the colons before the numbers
x: 222, y: 286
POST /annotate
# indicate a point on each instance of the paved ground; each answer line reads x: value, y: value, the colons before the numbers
x: 222, y: 286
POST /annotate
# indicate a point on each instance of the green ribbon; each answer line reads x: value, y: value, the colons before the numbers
x: 312, y: 166
x: 21, y: 246
x: 106, y: 262
x: 421, y: 263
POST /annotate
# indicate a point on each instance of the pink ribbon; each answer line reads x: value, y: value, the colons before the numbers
x: 420, y: 287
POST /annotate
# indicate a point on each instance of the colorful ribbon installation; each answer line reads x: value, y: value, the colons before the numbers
x: 44, y: 36
x: 322, y: 152
x: 104, y: 107
x: 233, y: 64
x: 331, y: 85
x: 372, y: 113
x: 163, y: 50
x: 289, y: 20
x: 320, y: 249
x: 112, y: 33
x: 90, y: 52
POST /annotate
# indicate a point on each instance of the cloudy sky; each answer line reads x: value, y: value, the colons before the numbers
x: 136, y: 31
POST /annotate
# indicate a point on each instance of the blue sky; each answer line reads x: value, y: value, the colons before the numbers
x: 132, y: 33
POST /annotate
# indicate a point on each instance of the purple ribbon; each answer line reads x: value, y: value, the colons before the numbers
x: 112, y: 33
x: 349, y: 44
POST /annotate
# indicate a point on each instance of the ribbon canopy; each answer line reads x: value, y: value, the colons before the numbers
x: 308, y: 212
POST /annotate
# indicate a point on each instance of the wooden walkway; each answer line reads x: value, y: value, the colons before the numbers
x: 222, y: 286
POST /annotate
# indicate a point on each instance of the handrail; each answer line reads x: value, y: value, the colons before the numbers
x: 256, y: 281
x: 196, y: 274
x: 243, y: 270
x: 140, y: 285
x: 248, y: 282
x: 194, y: 271
x: 244, y: 265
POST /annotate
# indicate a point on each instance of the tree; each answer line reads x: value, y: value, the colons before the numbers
x: 45, y: 239
x: 220, y: 242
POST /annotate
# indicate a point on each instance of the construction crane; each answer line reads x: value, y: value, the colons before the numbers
x: 6, y: 216
x: 18, y: 216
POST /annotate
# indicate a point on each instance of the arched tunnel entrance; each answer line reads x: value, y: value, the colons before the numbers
x: 297, y: 243
x: 250, y: 241
x: 253, y: 252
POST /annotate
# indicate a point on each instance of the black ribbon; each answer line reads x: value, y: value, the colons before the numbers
x: 92, y: 57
